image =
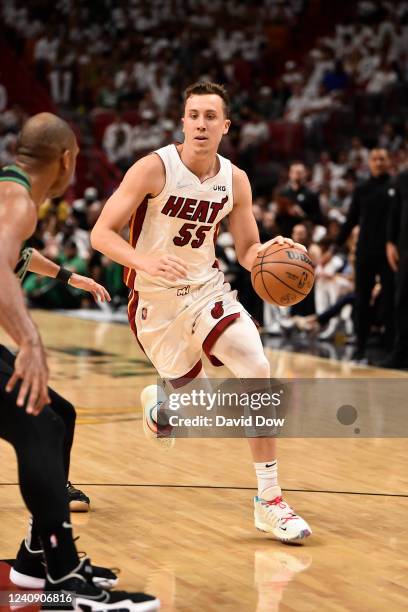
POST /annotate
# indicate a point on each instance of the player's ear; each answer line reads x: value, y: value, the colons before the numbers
x: 227, y: 124
x: 66, y: 159
x: 182, y: 123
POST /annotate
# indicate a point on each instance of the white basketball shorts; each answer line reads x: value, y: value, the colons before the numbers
x: 174, y: 326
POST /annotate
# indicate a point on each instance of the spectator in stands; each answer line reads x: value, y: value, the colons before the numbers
x: 268, y: 228
x: 296, y: 104
x: 358, y: 150
x: 325, y: 171
x: 61, y: 77
x: 160, y: 87
x: 382, y: 78
x: 388, y: 138
x: 292, y: 74
x: 46, y: 47
x: 107, y: 96
x: 329, y: 283
x: 148, y: 135
x: 254, y: 133
x: 117, y: 142
x: 297, y: 203
x: 301, y: 234
x: 336, y: 78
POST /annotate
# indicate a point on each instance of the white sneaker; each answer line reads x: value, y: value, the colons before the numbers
x: 277, y: 517
x: 152, y: 397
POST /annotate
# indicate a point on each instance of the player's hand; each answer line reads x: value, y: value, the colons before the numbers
x: 170, y: 267
x: 31, y: 368
x: 281, y: 240
x: 392, y: 256
x: 88, y: 284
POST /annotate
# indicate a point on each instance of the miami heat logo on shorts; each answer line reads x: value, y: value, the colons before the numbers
x: 217, y: 311
x: 144, y: 314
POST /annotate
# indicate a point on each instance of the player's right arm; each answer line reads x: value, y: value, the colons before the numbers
x: 146, y: 178
x: 18, y: 218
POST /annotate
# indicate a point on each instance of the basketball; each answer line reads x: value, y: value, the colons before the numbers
x: 282, y: 275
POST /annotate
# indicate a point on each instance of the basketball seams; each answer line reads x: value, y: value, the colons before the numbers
x: 283, y: 282
x: 265, y: 254
x: 265, y: 287
x: 286, y: 263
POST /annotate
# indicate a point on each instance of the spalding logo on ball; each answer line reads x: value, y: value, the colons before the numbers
x: 282, y: 275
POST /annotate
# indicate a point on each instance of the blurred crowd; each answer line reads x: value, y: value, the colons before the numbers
x: 304, y: 129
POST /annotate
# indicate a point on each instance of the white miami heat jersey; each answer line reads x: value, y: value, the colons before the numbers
x: 182, y: 220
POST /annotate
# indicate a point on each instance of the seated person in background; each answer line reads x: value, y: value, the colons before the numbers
x: 296, y: 202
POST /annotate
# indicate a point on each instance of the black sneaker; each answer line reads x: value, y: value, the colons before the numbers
x: 28, y: 571
x: 78, y: 501
x: 79, y: 593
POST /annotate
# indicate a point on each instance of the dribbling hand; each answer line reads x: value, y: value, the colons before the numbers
x: 31, y: 368
x: 281, y: 240
x: 170, y: 267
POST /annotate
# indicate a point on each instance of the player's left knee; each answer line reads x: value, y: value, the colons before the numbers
x: 260, y: 367
x: 254, y: 366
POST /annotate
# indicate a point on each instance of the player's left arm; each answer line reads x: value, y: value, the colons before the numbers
x: 242, y: 223
x: 45, y: 267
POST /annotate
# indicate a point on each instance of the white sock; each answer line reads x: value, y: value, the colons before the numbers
x: 267, y: 476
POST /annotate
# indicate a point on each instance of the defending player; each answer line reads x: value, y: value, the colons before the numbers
x: 179, y: 304
x: 46, y: 156
x: 32, y: 261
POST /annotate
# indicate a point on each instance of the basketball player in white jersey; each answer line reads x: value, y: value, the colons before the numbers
x: 180, y: 306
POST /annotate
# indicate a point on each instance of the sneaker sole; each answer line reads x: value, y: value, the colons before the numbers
x: 26, y: 582
x: 125, y: 605
x: 23, y: 581
x: 79, y: 506
x: 305, y: 533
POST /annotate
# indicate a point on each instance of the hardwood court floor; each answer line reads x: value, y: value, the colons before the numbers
x: 179, y: 523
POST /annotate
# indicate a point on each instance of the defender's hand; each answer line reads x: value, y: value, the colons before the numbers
x: 31, y: 368
x: 169, y: 267
x: 88, y: 284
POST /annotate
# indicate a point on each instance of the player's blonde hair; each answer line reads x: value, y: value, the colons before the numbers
x: 202, y: 88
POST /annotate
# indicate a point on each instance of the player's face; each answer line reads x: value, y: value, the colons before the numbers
x: 204, y: 122
x: 297, y: 173
x: 67, y: 170
x: 378, y: 162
